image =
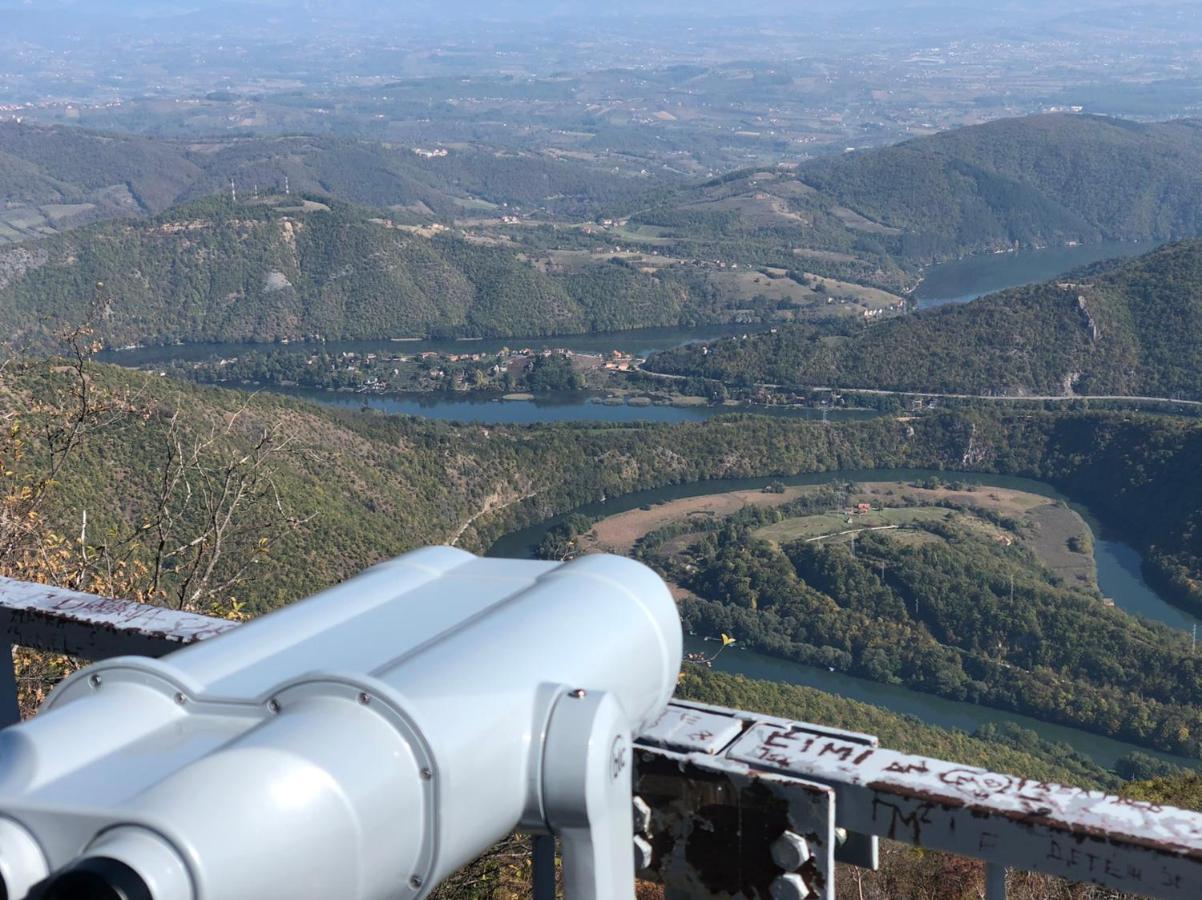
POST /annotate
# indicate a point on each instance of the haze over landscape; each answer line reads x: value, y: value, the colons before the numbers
x: 872, y: 326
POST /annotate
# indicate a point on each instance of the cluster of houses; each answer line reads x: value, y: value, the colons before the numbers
x: 437, y: 365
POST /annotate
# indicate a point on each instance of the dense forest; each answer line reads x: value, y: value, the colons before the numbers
x: 375, y: 485
x: 219, y: 271
x: 1031, y: 181
x: 1129, y: 329
x: 961, y: 616
x: 879, y: 216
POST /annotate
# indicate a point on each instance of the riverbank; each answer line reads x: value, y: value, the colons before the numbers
x: 1115, y: 573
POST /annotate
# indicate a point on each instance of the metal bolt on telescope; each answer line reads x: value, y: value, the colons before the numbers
x: 360, y: 745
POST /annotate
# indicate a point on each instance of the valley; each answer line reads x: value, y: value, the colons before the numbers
x: 271, y: 239
x: 1054, y: 544
x: 874, y: 330
x: 369, y: 311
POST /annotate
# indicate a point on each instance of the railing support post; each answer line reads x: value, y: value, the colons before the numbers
x: 10, y: 707
x: 543, y: 848
x: 995, y: 881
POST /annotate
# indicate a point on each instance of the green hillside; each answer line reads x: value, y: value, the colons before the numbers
x: 1037, y: 180
x: 1132, y: 329
x: 366, y: 487
x: 381, y: 484
x: 875, y: 216
x: 55, y: 178
x: 879, y: 216
x: 264, y: 271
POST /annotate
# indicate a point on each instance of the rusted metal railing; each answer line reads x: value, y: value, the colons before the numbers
x: 738, y: 804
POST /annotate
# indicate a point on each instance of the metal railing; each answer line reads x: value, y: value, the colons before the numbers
x: 733, y: 804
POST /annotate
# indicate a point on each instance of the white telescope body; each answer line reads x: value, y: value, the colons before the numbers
x: 360, y: 745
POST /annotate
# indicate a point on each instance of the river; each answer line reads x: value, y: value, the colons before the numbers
x: 975, y: 276
x: 1119, y: 578
x: 490, y: 409
x: 955, y: 282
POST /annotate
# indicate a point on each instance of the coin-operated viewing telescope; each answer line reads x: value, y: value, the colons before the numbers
x: 360, y: 745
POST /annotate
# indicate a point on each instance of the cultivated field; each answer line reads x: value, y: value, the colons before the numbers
x: 1057, y: 536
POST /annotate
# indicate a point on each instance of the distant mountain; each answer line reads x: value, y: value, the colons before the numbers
x: 1132, y: 329
x: 53, y: 178
x: 284, y: 267
x: 1042, y: 179
x: 880, y: 215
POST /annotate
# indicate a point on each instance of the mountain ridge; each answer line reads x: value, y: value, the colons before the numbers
x: 286, y: 268
x: 1130, y: 329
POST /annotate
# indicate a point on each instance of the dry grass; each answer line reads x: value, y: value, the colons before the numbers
x: 618, y: 534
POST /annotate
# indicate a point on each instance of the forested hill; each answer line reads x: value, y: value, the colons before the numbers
x: 381, y: 484
x: 286, y: 268
x: 1133, y: 329
x: 52, y: 178
x: 1041, y: 179
x: 1030, y: 182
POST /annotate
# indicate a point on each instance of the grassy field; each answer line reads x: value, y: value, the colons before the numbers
x: 745, y: 284
x: 1057, y: 531
x: 618, y: 533
x: 869, y: 297
x: 1057, y: 536
x: 839, y: 525
x: 643, y: 234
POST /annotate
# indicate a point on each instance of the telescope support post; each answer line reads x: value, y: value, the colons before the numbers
x: 543, y: 850
x: 586, y: 795
x: 10, y: 706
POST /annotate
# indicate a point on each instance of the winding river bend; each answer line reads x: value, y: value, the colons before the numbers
x: 1119, y: 578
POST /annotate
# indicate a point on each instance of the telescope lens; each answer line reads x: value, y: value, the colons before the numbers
x: 96, y: 878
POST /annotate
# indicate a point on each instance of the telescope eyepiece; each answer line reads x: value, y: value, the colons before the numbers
x: 22, y: 864
x: 95, y: 878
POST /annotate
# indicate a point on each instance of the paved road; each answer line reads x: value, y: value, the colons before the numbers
x: 934, y: 396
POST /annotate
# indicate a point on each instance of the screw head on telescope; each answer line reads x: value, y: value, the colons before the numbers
x: 94, y: 878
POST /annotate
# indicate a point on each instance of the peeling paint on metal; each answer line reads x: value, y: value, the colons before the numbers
x: 72, y: 622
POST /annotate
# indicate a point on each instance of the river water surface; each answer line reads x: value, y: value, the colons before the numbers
x: 975, y: 276
x: 1119, y: 578
x: 491, y: 409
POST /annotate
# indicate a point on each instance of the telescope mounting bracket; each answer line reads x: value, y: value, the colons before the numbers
x: 586, y: 779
